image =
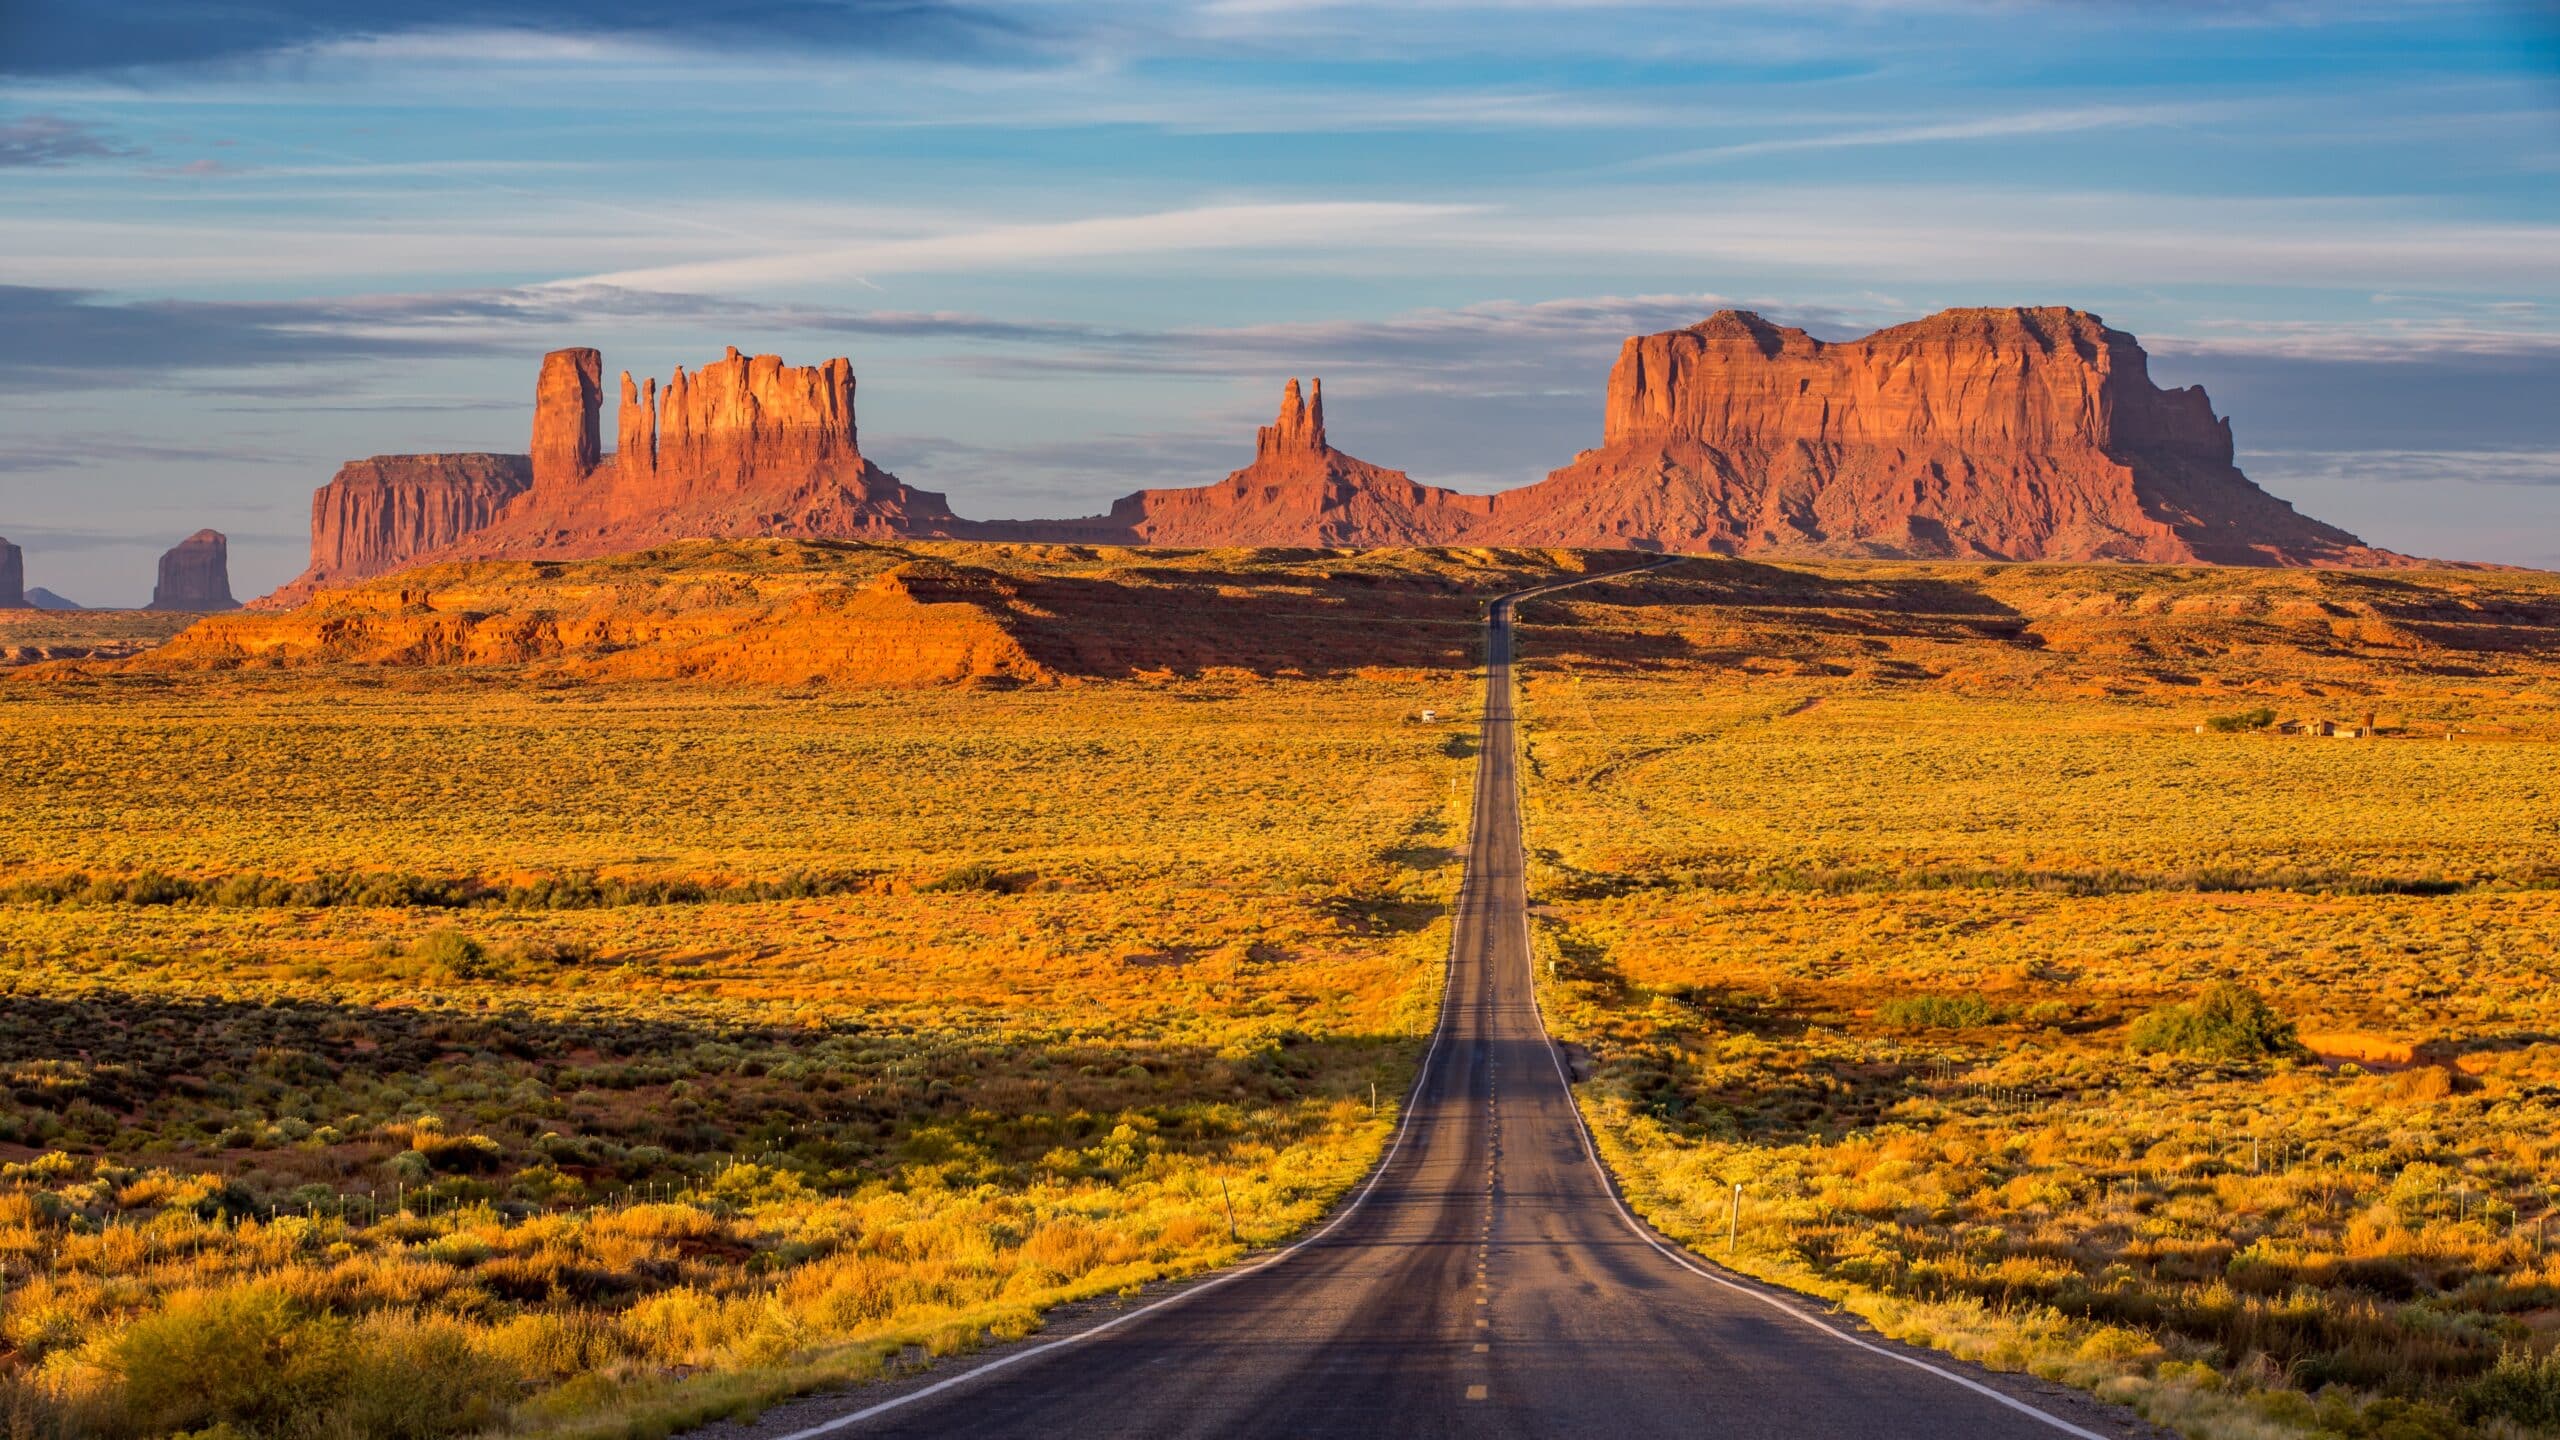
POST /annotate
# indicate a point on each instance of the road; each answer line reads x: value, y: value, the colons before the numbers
x: 1485, y: 1283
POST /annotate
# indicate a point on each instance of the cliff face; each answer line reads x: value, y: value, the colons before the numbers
x: 1298, y: 491
x: 196, y: 575
x: 13, y: 577
x: 374, y: 514
x: 1994, y: 434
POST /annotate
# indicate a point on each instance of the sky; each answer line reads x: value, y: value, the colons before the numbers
x: 1074, y: 249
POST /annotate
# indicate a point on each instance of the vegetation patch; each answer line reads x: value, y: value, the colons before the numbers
x: 2227, y: 1022
x: 1978, y: 970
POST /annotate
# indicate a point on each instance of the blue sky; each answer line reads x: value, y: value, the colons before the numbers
x: 1074, y: 249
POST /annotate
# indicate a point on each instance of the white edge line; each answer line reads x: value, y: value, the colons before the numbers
x: 1591, y: 1152
x: 1440, y: 1027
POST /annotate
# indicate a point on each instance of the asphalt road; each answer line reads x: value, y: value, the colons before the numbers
x: 1485, y: 1283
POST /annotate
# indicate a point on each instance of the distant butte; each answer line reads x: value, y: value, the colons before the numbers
x: 1299, y: 490
x: 1995, y: 434
x: 196, y: 575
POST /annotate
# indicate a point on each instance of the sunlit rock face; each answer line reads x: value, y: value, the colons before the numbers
x: 2022, y: 434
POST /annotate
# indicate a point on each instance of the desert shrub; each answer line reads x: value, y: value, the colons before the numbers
x: 1944, y: 1012
x: 2522, y: 1387
x: 2257, y: 719
x: 249, y: 1358
x: 448, y: 954
x: 2227, y: 1022
x: 252, y: 1362
x: 412, y: 1377
x: 977, y: 875
x: 459, y: 1154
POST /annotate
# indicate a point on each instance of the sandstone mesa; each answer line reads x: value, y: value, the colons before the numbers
x: 1992, y: 434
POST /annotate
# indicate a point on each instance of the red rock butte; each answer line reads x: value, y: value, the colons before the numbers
x: 1996, y: 434
x: 744, y: 446
x: 1298, y: 491
x: 195, y: 574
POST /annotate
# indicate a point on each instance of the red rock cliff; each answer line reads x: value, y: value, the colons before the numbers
x: 373, y: 514
x: 196, y: 575
x: 1998, y: 434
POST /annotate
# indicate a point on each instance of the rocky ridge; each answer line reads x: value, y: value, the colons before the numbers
x: 798, y: 612
x: 1998, y: 434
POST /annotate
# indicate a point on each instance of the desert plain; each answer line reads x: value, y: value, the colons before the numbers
x: 801, y: 960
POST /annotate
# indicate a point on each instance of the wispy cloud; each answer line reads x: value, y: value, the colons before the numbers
x: 56, y: 339
x: 1164, y: 232
x: 32, y: 140
x: 2536, y: 467
x: 134, y: 35
x: 1990, y: 127
x: 2381, y: 340
x: 82, y: 452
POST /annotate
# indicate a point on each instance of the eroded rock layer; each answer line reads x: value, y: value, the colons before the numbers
x: 195, y: 574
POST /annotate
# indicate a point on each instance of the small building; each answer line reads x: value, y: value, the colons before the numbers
x: 1430, y: 717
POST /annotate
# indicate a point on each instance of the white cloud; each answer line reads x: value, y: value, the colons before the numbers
x: 1332, y: 225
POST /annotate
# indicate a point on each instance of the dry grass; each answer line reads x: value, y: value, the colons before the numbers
x: 581, y: 1062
